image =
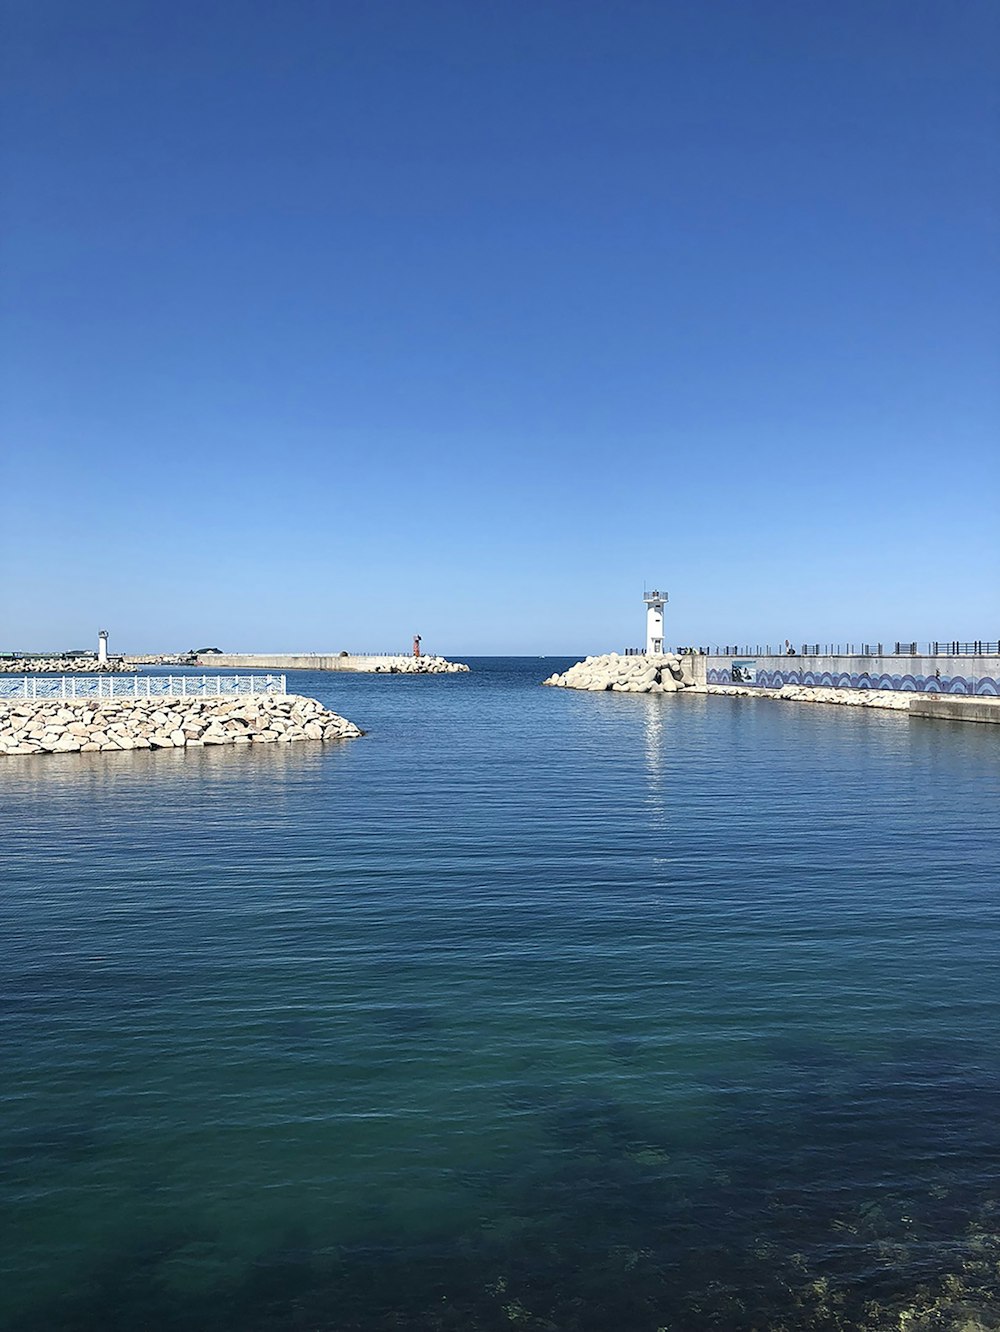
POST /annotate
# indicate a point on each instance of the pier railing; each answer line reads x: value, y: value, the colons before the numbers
x: 938, y: 648
x: 138, y: 686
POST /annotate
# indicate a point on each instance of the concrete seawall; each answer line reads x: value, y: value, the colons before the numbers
x: 291, y: 661
x: 955, y: 708
x: 977, y: 676
x: 972, y: 697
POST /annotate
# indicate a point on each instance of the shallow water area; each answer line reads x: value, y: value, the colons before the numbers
x: 530, y: 1008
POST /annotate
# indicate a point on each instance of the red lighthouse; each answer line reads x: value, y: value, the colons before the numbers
x: 416, y: 645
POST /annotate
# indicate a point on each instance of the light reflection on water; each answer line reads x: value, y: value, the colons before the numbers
x: 531, y: 1007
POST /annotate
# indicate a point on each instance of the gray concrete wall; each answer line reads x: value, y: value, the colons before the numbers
x: 957, y: 709
x: 965, y: 675
x: 292, y: 661
x: 699, y: 667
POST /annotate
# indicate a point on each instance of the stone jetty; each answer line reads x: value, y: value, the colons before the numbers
x: 62, y: 665
x: 635, y: 673
x: 670, y: 674
x: 370, y: 663
x: 418, y: 666
x: 60, y: 726
x: 893, y: 700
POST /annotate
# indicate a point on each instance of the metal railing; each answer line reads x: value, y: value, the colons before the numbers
x: 139, y: 686
x: 936, y: 648
x: 978, y: 648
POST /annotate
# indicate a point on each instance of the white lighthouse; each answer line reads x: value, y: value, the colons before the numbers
x: 655, y: 601
x: 102, y: 647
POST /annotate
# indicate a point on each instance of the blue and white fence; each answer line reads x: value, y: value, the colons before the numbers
x: 138, y: 686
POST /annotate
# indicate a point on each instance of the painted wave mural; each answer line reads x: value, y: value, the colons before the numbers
x: 984, y: 686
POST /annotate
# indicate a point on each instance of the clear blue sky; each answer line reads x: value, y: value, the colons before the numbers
x: 329, y: 322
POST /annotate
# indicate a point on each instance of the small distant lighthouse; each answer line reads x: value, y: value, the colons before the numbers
x: 102, y: 647
x: 655, y: 601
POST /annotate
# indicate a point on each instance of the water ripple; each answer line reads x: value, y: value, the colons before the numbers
x: 558, y: 1010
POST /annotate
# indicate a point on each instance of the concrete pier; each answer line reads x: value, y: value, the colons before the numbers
x: 293, y: 661
x: 401, y: 663
x: 955, y: 708
x: 966, y: 675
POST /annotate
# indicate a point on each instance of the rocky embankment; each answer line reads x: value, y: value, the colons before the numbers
x: 892, y: 699
x: 669, y: 674
x: 61, y: 665
x: 162, y: 659
x: 418, y: 666
x: 638, y: 674
x: 60, y: 726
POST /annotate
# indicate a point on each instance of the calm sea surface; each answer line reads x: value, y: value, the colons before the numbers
x: 531, y: 1009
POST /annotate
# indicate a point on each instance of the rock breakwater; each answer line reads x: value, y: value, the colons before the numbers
x: 389, y: 663
x: 62, y: 665
x: 161, y: 659
x: 88, y: 725
x: 893, y: 700
x: 418, y: 666
x: 669, y: 674
x: 633, y: 674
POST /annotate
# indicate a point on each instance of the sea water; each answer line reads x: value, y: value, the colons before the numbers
x: 532, y: 1009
